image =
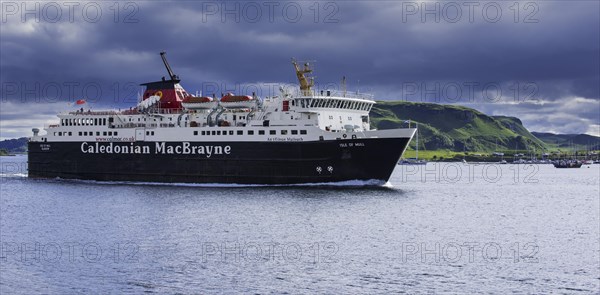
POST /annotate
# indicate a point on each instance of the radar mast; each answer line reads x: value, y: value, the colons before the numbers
x: 306, y: 83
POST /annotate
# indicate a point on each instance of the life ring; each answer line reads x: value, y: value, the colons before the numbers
x: 344, y: 135
x: 158, y: 93
x: 353, y: 136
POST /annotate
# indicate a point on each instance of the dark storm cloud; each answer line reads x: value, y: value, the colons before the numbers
x: 382, y: 44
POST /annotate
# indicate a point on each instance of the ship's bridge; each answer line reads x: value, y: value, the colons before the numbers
x: 335, y: 110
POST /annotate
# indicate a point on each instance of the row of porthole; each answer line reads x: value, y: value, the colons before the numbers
x: 87, y: 133
x: 249, y: 132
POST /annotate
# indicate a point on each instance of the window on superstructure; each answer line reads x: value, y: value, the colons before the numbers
x: 116, y: 133
x: 224, y: 132
x: 110, y: 133
x: 294, y: 132
x: 272, y: 132
x: 214, y: 132
x: 203, y: 132
x: 261, y: 132
x: 104, y: 133
x: 240, y: 132
x: 60, y: 134
x: 152, y: 133
x: 303, y: 132
x: 80, y: 133
x: 283, y: 132
x: 250, y: 132
x: 219, y: 132
x: 70, y: 133
x: 84, y: 133
x: 313, y: 103
x: 195, y: 132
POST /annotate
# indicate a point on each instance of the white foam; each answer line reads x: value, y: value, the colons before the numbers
x: 15, y: 175
x: 348, y: 183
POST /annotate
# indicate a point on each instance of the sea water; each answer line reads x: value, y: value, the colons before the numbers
x: 439, y: 228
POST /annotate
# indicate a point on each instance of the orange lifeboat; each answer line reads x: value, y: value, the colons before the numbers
x: 230, y: 101
x: 199, y: 103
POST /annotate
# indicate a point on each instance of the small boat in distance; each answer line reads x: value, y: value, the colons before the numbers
x: 568, y: 164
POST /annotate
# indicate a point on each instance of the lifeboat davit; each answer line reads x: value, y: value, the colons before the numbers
x: 230, y: 101
x: 199, y: 103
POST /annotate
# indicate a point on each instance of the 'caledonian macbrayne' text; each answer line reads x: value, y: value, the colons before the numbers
x: 184, y: 148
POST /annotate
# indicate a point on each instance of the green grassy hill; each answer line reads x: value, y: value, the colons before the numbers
x: 17, y: 145
x: 456, y: 128
x: 569, y: 141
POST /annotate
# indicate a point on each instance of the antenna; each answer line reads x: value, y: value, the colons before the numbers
x: 164, y: 59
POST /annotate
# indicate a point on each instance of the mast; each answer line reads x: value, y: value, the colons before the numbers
x: 305, y: 85
x: 417, y: 139
x: 164, y: 59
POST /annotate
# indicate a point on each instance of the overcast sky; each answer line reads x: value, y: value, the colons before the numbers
x: 539, y: 61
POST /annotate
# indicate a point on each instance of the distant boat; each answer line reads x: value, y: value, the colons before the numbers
x: 568, y: 164
x: 412, y: 161
x: 502, y: 162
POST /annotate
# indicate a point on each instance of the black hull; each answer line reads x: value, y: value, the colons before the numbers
x: 246, y: 162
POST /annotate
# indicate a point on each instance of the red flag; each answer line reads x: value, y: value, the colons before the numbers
x: 80, y: 101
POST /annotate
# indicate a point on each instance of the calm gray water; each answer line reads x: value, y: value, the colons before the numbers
x: 440, y: 228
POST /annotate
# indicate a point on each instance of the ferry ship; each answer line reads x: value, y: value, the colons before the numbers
x: 172, y: 136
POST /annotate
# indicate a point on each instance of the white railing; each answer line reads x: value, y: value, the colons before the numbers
x: 334, y: 93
